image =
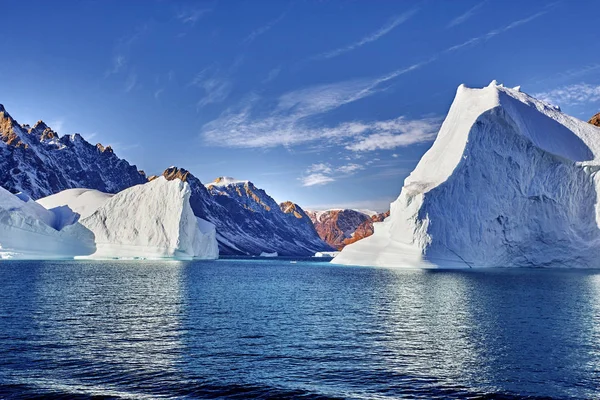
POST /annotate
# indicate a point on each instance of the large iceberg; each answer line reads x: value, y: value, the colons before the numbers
x: 509, y: 181
x: 153, y: 220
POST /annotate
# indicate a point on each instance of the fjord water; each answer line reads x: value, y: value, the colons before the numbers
x: 271, y: 328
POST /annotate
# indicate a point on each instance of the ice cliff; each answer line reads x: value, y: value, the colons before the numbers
x: 510, y: 181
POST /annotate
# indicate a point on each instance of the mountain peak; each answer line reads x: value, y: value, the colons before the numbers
x: 42, y: 131
x: 595, y: 120
x: 40, y: 125
x: 103, y: 149
x: 174, y: 173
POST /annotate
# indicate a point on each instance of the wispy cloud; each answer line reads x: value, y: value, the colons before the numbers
x: 117, y: 65
x: 274, y: 73
x: 216, y: 88
x: 264, y: 29
x: 580, y: 93
x: 466, y: 15
x: 483, y: 38
x: 400, y: 132
x: 131, y: 82
x: 192, y: 15
x: 350, y: 168
x: 316, y: 179
x: 158, y: 92
x: 382, y: 31
x: 289, y: 123
x: 290, y: 120
x: 324, y: 173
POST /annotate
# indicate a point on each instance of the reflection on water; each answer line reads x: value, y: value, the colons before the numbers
x: 268, y: 328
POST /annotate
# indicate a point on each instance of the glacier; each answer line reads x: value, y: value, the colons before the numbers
x: 510, y: 181
x: 148, y: 221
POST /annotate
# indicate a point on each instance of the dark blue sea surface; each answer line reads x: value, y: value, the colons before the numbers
x: 275, y: 329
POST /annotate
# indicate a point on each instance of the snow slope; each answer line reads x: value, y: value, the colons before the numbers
x: 26, y: 231
x: 509, y: 181
x: 153, y: 220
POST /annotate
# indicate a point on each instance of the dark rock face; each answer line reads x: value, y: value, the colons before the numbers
x: 248, y: 220
x: 38, y: 162
x: 339, y: 228
x: 595, y: 120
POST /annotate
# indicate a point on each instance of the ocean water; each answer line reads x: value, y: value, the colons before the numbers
x: 275, y: 329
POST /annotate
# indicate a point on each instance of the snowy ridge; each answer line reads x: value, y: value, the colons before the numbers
x: 509, y: 181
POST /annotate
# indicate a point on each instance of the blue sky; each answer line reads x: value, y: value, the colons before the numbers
x: 325, y: 103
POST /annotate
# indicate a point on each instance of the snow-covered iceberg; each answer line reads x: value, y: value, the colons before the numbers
x: 509, y: 181
x: 29, y: 231
x: 153, y: 220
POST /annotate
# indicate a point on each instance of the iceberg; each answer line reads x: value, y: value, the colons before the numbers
x: 510, y: 181
x: 153, y: 220
x: 29, y: 231
x: 265, y: 254
x: 149, y: 221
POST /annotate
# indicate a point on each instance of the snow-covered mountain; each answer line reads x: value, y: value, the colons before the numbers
x: 248, y: 220
x: 509, y: 181
x: 35, y: 160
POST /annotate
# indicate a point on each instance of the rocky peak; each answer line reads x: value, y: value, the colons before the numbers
x: 103, y: 149
x: 40, y: 125
x: 8, y: 129
x: 42, y: 131
x: 172, y: 173
x: 595, y: 120
x: 291, y: 208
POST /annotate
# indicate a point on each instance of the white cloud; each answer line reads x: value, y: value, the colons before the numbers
x: 321, y: 168
x: 158, y: 92
x: 468, y: 14
x: 216, y: 88
x: 316, y: 179
x: 400, y: 132
x: 323, y: 173
x: 263, y: 29
x: 571, y: 95
x: 382, y: 31
x: 350, y: 168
